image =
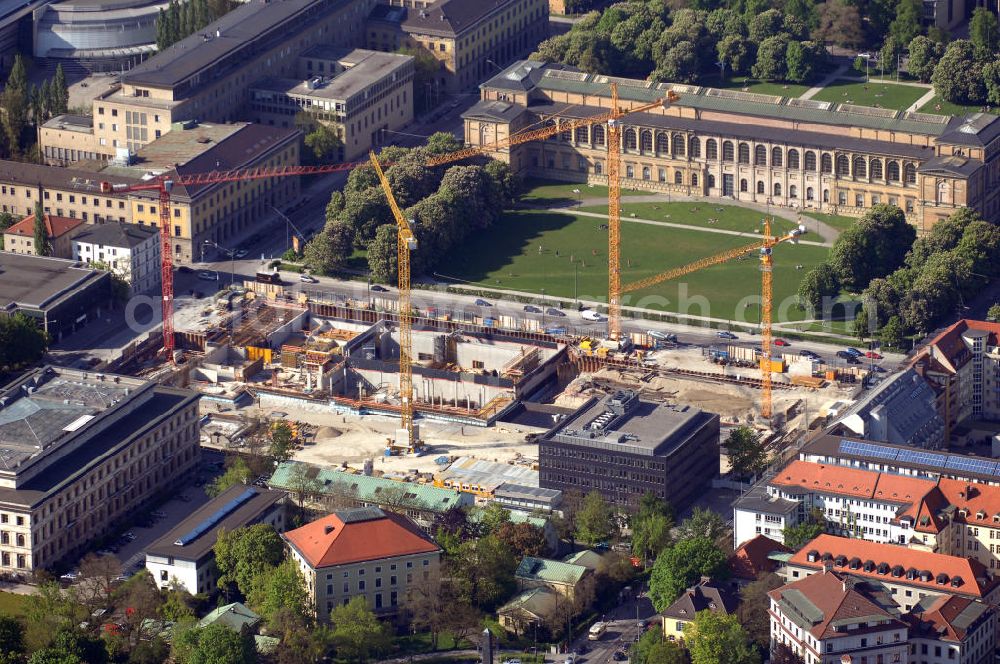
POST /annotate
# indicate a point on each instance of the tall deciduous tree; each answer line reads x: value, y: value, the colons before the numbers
x: 747, y: 455
x: 42, y: 245
x: 22, y: 342
x: 983, y: 33
x: 717, y: 638
x: 237, y: 472
x: 755, y: 605
x: 595, y: 520
x: 357, y: 633
x: 924, y: 57
x: 681, y: 565
x: 838, y: 23
x: 702, y: 523
x: 215, y: 644
x: 278, y: 590
x: 382, y: 255
x: 243, y: 553
x: 772, y: 62
x: 958, y: 77
x: 906, y: 26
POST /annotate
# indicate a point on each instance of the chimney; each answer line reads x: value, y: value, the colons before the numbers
x: 327, y: 530
x: 827, y: 566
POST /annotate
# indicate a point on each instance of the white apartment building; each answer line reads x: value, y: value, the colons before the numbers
x: 129, y: 251
x: 951, y: 630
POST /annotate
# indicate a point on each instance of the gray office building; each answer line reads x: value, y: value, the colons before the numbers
x: 623, y: 447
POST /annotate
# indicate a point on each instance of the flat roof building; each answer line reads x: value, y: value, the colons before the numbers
x: 79, y: 451
x: 58, y: 294
x: 624, y: 447
x: 185, y: 553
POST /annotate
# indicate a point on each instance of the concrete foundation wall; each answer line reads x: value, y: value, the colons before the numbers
x: 426, y: 389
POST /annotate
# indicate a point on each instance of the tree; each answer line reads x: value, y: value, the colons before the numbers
x: 483, y: 571
x: 178, y: 603
x: 679, y: 64
x: 680, y: 565
x: 237, y: 472
x: 98, y: 575
x: 492, y: 517
x: 425, y: 69
x: 436, y: 606
x: 22, y: 342
x: 215, y: 644
x: 958, y: 77
x: 736, y: 52
x: 137, y: 600
x: 49, y: 611
x: 595, y: 520
x: 525, y: 539
x: 924, y: 57
x: 747, y: 454
x: 838, y: 23
x: 994, y: 313
x: 753, y: 612
x: 818, y: 284
x: 783, y: 654
x: 702, y: 523
x: 443, y: 142
x: 889, y: 54
x: 323, y: 142
x: 906, y: 26
x: 772, y: 60
x: 42, y: 245
x: 983, y: 33
x: 303, y: 485
x: 872, y: 248
x: 71, y: 646
x: 765, y: 24
x: 798, y: 535
x: 653, y: 648
x: 60, y: 92
x: 991, y: 79
x: 243, y: 553
x: 382, y: 255
x: 279, y: 589
x: 357, y: 633
x: 11, y: 638
x: 15, y: 104
x: 891, y: 334
x: 282, y: 441
x: 716, y: 638
x: 799, y: 62
x: 650, y: 534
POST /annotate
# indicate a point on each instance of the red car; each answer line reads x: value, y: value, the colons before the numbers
x: 872, y: 355
x: 781, y: 342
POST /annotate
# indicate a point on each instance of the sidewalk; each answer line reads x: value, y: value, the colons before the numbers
x: 830, y: 78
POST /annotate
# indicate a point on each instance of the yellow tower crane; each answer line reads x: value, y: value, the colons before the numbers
x: 766, y: 264
x: 406, y: 242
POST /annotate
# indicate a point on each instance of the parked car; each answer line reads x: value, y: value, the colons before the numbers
x: 208, y: 275
x: 531, y: 309
x: 379, y: 289
x: 843, y: 354
x: 552, y: 311
x: 241, y: 253
x: 590, y: 314
x: 727, y: 335
x: 308, y: 279
x: 877, y: 369
x: 872, y: 355
x: 808, y: 353
x: 71, y: 576
x: 781, y: 342
x: 854, y: 351
x: 480, y: 302
x: 555, y: 331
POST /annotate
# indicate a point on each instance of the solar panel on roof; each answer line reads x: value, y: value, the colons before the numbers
x: 867, y: 449
x: 923, y: 458
x: 217, y: 516
x: 970, y: 464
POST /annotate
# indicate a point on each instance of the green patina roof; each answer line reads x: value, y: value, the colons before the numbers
x: 368, y: 489
x: 234, y: 616
x: 535, y: 601
x: 516, y: 516
x: 549, y: 571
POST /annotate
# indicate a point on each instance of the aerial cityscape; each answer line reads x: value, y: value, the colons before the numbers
x: 499, y: 332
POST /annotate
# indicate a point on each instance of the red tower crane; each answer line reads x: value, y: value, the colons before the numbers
x: 164, y: 184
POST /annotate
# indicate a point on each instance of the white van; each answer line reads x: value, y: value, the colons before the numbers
x: 596, y: 631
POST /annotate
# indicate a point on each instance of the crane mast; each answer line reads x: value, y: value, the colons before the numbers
x: 614, y: 218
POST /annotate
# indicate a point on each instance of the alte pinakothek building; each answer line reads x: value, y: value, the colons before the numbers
x: 803, y: 154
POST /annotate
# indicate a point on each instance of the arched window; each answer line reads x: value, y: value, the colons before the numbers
x: 943, y: 193
x: 678, y: 177
x: 694, y: 179
x: 760, y: 156
x: 677, y: 143
x: 629, y: 172
x: 743, y: 185
x: 20, y: 539
x: 598, y: 167
x: 694, y: 147
x: 727, y: 151
x: 646, y: 140
x: 793, y: 159
x: 598, y: 135
x: 661, y: 142
x: 810, y: 195
x: 744, y: 156
x: 826, y: 164
x: 892, y: 171
x: 711, y: 149
x: 826, y: 195
x: 582, y: 134
x: 860, y: 167
x: 843, y: 165
x: 810, y: 160
x: 909, y: 173
x: 760, y: 187
x: 776, y: 157
x: 645, y: 172
x: 630, y: 139
x: 842, y: 198
x: 485, y: 134
x: 710, y: 181
x: 777, y: 189
x: 793, y: 191
x: 876, y: 169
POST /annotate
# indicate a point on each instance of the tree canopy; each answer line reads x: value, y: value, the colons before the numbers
x: 680, y: 565
x: 243, y: 553
x: 717, y: 638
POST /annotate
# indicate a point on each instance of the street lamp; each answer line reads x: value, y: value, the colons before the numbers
x: 232, y: 258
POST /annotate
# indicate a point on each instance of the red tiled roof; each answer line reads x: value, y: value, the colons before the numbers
x: 940, y: 619
x: 974, y: 580
x: 901, y: 488
x: 837, y: 598
x: 751, y: 558
x: 925, y: 513
x: 56, y: 226
x: 330, y: 541
x: 951, y: 347
x: 980, y: 501
x: 829, y: 479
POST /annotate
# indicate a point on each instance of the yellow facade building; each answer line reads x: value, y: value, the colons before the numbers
x: 746, y: 147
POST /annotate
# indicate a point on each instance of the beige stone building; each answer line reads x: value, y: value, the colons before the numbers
x: 725, y: 144
x: 20, y: 238
x: 469, y: 38
x: 64, y: 192
x: 81, y: 451
x: 363, y: 95
x: 363, y: 552
x: 68, y: 138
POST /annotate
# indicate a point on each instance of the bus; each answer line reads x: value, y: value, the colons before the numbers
x: 596, y: 631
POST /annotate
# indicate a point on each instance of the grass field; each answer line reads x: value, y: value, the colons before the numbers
x: 12, y: 604
x: 839, y: 222
x: 885, y: 95
x: 553, y: 193
x: 507, y: 256
x: 938, y: 106
x: 726, y: 217
x: 760, y: 87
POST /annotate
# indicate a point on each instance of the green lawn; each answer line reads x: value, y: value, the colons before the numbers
x: 885, y: 95
x: 12, y: 604
x: 760, y: 87
x: 938, y: 106
x: 553, y: 193
x: 726, y: 217
x: 507, y: 256
x: 840, y: 222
